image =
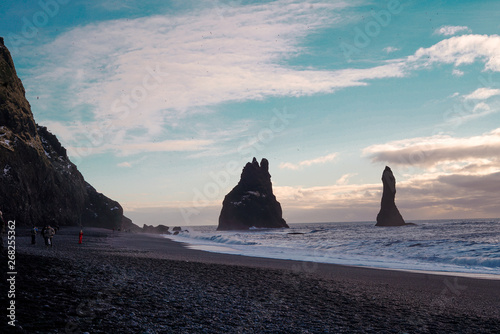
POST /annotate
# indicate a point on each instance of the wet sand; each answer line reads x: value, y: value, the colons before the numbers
x: 138, y: 283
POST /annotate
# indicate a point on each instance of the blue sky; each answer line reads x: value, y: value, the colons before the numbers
x: 161, y: 103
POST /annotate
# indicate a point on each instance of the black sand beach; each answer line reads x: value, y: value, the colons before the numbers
x: 138, y: 283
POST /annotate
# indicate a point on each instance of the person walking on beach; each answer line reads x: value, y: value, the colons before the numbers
x: 48, y: 234
x: 34, y: 230
x: 80, y: 237
x: 44, y: 233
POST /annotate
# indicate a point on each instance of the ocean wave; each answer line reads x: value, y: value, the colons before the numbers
x: 220, y: 239
x: 444, y: 246
x: 477, y: 261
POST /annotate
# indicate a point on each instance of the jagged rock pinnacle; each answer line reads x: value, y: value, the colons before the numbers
x: 252, y: 202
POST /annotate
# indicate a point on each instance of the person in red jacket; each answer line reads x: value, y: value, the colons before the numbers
x: 80, y: 237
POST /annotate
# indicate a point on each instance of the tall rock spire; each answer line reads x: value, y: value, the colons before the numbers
x: 389, y: 214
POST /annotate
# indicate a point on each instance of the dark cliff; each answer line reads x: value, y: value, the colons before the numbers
x: 38, y: 182
x: 389, y: 214
x: 252, y: 202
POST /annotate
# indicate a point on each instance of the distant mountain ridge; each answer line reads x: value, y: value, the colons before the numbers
x: 38, y: 182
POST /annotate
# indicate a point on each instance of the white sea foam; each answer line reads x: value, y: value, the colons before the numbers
x: 453, y: 246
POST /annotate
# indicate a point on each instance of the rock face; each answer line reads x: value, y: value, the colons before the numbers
x: 252, y: 202
x: 389, y: 214
x: 160, y: 229
x: 38, y: 182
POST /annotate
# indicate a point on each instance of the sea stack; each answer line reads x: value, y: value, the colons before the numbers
x: 389, y: 214
x: 252, y: 202
x: 38, y: 182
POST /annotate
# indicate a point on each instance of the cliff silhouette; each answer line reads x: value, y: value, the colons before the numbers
x: 38, y: 182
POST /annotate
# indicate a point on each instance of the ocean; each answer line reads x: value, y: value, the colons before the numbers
x: 469, y: 247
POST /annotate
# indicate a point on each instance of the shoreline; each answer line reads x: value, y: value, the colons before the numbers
x: 146, y: 283
x: 223, y: 248
x: 195, y: 248
x: 422, y: 271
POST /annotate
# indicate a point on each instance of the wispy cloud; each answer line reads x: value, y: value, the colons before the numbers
x: 480, y: 110
x: 426, y: 196
x: 391, y: 49
x: 148, y: 73
x: 451, y: 30
x: 115, y: 5
x: 137, y: 145
x: 165, y: 146
x: 459, y: 50
x: 125, y: 164
x: 344, y: 179
x: 482, y: 94
x: 430, y: 151
x: 333, y: 195
x: 307, y: 163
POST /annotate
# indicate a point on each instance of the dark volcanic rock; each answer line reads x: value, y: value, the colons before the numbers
x: 178, y: 229
x: 389, y: 214
x: 160, y: 229
x: 38, y: 182
x: 252, y: 202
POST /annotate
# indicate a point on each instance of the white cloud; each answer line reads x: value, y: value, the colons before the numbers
x: 129, y: 147
x: 124, y: 164
x: 457, y: 72
x: 149, y: 73
x: 459, y: 50
x: 468, y: 113
x: 333, y: 195
x: 391, y: 49
x: 344, y: 179
x: 430, y: 195
x: 481, y: 106
x: 306, y: 163
x: 431, y: 151
x: 471, y: 106
x: 115, y: 5
x: 165, y: 146
x: 451, y: 30
x: 482, y: 94
x: 480, y: 110
x: 425, y: 196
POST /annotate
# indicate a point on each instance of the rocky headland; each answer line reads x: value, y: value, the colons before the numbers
x: 252, y: 202
x: 39, y: 184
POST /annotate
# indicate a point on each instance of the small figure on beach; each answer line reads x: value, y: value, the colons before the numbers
x: 34, y: 231
x: 48, y: 234
x: 42, y: 233
x: 80, y: 237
